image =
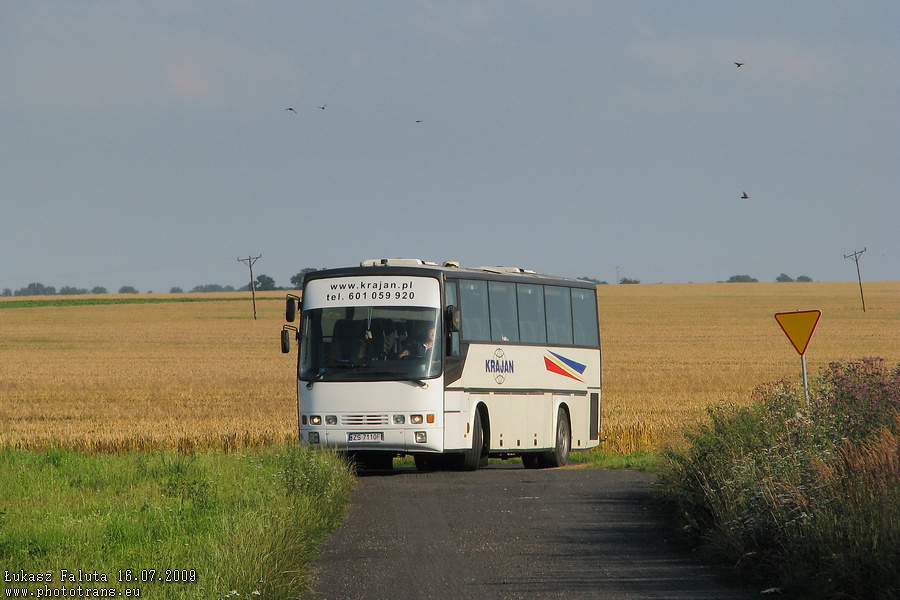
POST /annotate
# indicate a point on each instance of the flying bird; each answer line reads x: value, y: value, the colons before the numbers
x: 291, y: 109
x: 739, y: 65
x: 323, y: 107
x: 745, y: 196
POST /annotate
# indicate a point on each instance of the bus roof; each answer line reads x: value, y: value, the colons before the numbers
x: 415, y: 266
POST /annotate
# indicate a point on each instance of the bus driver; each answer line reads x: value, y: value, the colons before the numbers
x: 418, y: 347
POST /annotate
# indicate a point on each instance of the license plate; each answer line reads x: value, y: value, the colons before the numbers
x: 365, y: 437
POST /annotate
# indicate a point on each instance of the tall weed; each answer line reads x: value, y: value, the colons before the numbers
x: 809, y: 496
x: 856, y: 399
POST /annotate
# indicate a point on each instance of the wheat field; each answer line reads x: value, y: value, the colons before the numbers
x: 205, y: 374
x: 146, y: 376
x: 672, y: 350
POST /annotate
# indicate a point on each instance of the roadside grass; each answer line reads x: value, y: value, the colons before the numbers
x: 648, y: 460
x: 644, y: 460
x: 246, y: 522
x: 808, y: 496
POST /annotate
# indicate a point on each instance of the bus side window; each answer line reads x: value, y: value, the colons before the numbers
x: 473, y: 304
x: 532, y: 325
x: 559, y: 314
x: 584, y: 312
x: 504, y: 315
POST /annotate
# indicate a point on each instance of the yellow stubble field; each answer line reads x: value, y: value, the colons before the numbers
x: 202, y: 375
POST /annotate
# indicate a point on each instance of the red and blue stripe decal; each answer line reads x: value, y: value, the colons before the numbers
x: 564, y: 366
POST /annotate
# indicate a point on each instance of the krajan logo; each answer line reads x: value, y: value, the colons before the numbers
x: 566, y: 367
x: 498, y: 366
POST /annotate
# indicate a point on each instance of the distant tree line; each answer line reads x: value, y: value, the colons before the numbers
x: 39, y: 289
x: 263, y: 283
x: 783, y: 278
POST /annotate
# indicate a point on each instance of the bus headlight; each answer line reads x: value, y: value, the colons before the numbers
x: 315, y: 420
x: 421, y: 437
x: 416, y: 420
x: 331, y: 419
x: 399, y: 419
x: 313, y: 437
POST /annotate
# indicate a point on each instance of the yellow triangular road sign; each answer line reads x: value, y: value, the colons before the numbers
x: 799, y: 327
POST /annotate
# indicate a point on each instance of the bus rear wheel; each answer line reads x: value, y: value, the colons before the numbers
x: 427, y: 463
x: 531, y: 460
x: 559, y: 456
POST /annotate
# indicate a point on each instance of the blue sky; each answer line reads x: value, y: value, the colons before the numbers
x: 148, y: 143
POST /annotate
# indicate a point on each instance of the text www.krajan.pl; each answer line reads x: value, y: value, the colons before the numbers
x: 374, y: 286
x: 371, y: 290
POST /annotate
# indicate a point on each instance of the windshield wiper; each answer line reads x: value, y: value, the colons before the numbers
x: 368, y: 370
x: 400, y: 377
x: 326, y: 371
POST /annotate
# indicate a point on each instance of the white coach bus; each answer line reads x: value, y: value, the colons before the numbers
x: 447, y: 364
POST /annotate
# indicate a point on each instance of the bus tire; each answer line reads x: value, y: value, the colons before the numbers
x: 531, y: 460
x: 472, y: 459
x: 426, y: 463
x: 366, y: 462
x: 559, y: 456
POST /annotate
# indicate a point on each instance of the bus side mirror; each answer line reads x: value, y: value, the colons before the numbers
x: 290, y: 308
x: 286, y: 338
x: 454, y: 318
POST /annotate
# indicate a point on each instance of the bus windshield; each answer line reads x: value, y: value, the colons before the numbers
x: 370, y: 343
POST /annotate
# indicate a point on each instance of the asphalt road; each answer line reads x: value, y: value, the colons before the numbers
x: 510, y: 533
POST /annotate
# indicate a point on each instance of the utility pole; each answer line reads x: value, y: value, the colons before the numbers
x: 250, y: 260
x: 855, y: 256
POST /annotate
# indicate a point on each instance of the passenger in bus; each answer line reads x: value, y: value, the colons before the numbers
x: 347, y: 344
x: 402, y: 335
x: 383, y: 339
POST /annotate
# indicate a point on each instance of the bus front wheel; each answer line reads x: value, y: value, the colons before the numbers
x: 366, y: 462
x: 473, y: 459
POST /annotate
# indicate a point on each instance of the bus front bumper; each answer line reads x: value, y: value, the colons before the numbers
x: 420, y: 439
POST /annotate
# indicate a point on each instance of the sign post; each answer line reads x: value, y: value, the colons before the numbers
x: 799, y: 327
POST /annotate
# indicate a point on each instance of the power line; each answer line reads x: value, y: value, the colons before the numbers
x: 250, y: 260
x: 855, y: 256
